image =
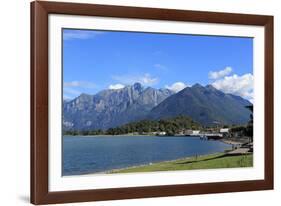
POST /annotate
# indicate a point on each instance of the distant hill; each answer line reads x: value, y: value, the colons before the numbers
x: 113, y: 108
x: 205, y: 105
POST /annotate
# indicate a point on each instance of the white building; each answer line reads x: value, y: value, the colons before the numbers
x: 195, y: 132
x: 224, y: 130
x: 161, y: 133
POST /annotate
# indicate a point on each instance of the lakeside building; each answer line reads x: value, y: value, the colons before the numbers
x: 225, y: 132
x: 161, y: 133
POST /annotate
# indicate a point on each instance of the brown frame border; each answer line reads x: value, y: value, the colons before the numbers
x: 39, y: 102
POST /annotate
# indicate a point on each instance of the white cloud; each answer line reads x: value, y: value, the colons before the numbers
x: 237, y: 85
x: 73, y: 88
x: 116, y: 86
x: 220, y: 74
x: 80, y: 34
x: 148, y: 80
x: 70, y: 91
x: 145, y: 79
x: 177, y: 86
x: 83, y: 84
x: 71, y: 84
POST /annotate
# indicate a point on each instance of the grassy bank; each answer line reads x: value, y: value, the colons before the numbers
x: 213, y: 161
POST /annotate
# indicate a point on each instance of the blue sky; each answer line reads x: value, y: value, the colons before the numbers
x: 97, y: 60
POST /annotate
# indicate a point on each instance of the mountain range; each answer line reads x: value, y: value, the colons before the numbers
x: 111, y: 108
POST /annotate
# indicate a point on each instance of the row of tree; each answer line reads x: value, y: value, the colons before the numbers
x: 170, y: 126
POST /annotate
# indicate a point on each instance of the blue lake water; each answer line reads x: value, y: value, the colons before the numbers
x: 83, y: 155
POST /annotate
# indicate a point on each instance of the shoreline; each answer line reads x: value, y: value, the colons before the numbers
x: 238, y: 141
x: 196, y: 159
x: 211, y: 161
x: 231, y: 142
x: 166, y: 161
x: 148, y: 164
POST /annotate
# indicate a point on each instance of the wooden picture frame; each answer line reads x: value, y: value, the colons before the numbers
x: 40, y: 193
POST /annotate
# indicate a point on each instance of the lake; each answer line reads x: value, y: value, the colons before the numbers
x: 85, y: 154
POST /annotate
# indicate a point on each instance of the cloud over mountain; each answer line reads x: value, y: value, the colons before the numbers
x: 232, y: 83
x: 220, y: 74
x: 176, y: 87
x: 83, y: 84
x: 116, y: 86
x: 145, y: 79
x: 238, y: 85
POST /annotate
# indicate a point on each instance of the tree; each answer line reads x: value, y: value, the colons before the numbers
x: 249, y: 128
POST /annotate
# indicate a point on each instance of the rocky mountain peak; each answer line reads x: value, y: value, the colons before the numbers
x: 137, y: 86
x: 197, y: 85
x: 110, y: 108
x: 209, y: 86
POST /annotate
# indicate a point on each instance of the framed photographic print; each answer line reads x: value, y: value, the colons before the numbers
x: 131, y: 102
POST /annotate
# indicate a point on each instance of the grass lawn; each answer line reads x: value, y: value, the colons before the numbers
x: 219, y: 160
